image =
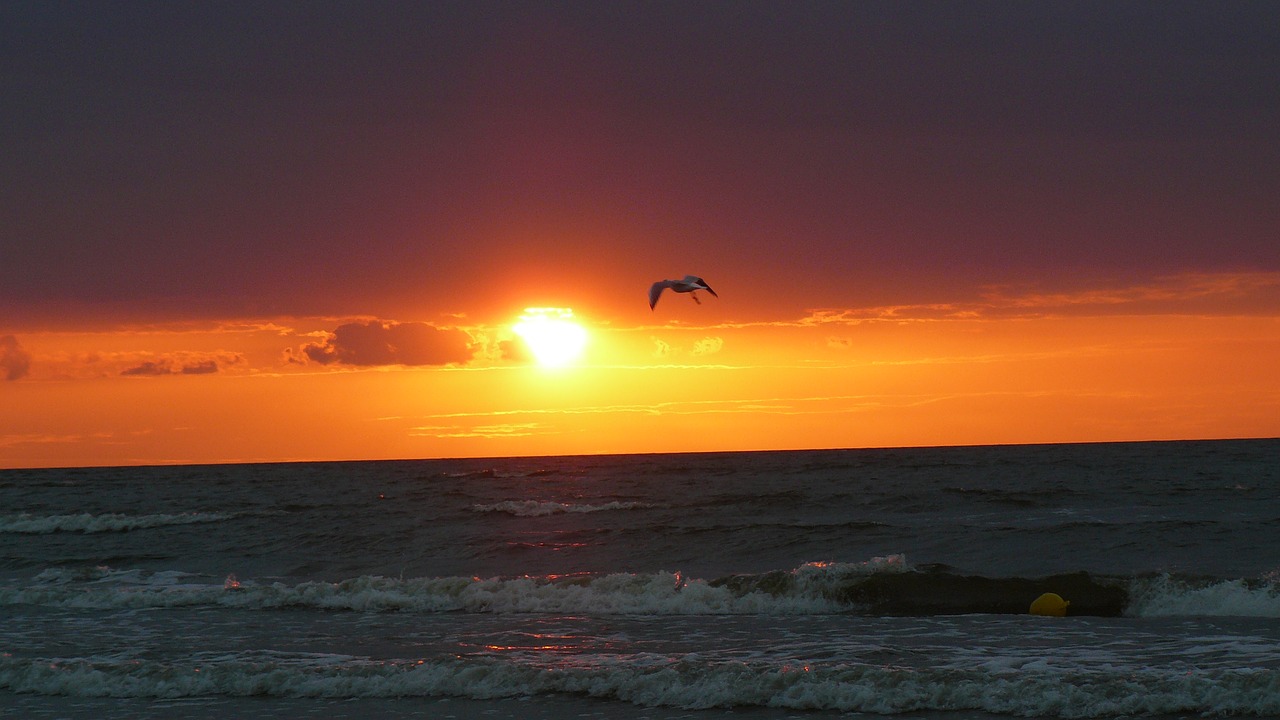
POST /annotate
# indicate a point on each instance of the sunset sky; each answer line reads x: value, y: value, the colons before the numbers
x: 306, y: 231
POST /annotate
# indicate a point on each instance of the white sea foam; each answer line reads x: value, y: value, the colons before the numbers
x: 538, y: 508
x: 672, y: 681
x: 107, y: 522
x: 805, y: 590
x: 1169, y: 596
x: 826, y: 571
x: 813, y: 588
x: 660, y: 593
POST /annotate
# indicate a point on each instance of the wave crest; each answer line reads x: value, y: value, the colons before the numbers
x: 1169, y: 595
x: 28, y: 524
x: 885, y: 586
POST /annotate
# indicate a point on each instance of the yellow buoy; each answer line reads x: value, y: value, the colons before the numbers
x: 1050, y: 604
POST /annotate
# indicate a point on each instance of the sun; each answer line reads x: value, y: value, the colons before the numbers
x: 552, y: 335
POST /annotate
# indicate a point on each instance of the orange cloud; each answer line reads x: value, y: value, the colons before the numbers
x: 1202, y: 291
x: 1191, y: 293
x: 708, y: 346
x: 14, y: 361
x: 514, y: 350
x: 38, y: 439
x: 504, y: 430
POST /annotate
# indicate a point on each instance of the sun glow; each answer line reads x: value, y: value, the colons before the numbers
x: 552, y: 335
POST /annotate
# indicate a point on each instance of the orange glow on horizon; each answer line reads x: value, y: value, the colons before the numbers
x: 249, y: 391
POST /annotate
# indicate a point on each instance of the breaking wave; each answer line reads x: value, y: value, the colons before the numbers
x: 885, y: 586
x: 108, y: 522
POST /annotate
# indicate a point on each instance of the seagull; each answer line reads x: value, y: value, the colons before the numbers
x: 687, y: 285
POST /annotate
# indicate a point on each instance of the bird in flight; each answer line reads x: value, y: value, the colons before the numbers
x: 687, y: 285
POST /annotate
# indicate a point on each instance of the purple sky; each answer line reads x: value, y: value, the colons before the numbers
x: 170, y: 161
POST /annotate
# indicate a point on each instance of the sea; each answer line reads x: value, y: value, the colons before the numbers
x: 861, y: 583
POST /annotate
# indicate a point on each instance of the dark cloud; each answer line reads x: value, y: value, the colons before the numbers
x: 182, y: 366
x: 150, y: 367
x: 14, y: 361
x: 378, y: 342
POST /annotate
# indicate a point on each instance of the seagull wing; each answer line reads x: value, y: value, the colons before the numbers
x: 702, y: 284
x: 655, y: 290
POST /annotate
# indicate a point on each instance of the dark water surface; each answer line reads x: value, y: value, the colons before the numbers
x: 771, y: 585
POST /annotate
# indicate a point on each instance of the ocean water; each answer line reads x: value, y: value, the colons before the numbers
x: 844, y: 583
